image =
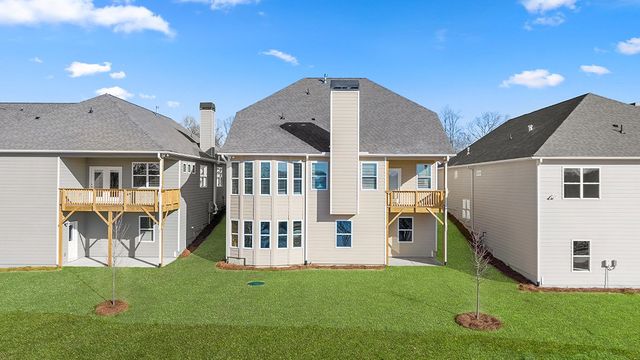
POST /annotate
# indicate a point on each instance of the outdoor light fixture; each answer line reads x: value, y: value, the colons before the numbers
x: 608, y: 267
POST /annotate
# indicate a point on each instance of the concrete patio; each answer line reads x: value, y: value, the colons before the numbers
x: 140, y: 262
x: 413, y: 261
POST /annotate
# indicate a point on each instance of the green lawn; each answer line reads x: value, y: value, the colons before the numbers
x: 192, y: 309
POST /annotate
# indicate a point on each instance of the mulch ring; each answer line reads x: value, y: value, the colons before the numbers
x: 223, y: 265
x: 106, y: 308
x: 484, y: 323
x: 533, y: 288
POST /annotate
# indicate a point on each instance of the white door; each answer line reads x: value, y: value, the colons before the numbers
x: 72, y: 240
x: 105, y: 177
x: 395, y: 179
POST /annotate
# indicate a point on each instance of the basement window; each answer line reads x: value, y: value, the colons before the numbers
x: 145, y: 229
x: 405, y: 229
x: 581, y: 255
x: 297, y: 234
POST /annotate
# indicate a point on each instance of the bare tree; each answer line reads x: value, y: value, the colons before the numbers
x: 451, y: 120
x: 484, y: 124
x: 481, y: 259
x: 222, y: 130
x: 118, y: 250
x: 190, y: 123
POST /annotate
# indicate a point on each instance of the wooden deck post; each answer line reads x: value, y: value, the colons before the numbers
x: 387, y: 208
x: 160, y: 213
x: 110, y: 238
x: 446, y: 209
x: 60, y: 225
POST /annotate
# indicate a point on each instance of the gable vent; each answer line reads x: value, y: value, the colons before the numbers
x: 345, y: 85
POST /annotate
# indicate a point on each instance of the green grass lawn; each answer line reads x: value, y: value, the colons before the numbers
x: 191, y: 309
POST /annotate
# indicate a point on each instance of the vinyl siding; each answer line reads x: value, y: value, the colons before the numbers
x: 459, y: 190
x: 344, y: 171
x: 611, y: 223
x: 194, y: 204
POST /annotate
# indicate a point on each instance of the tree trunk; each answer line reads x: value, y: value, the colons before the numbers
x: 478, y: 298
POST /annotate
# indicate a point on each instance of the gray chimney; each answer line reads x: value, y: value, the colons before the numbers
x: 208, y: 127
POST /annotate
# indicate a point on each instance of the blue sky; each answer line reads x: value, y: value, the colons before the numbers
x: 508, y: 56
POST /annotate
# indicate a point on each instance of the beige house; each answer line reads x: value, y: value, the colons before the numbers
x: 334, y: 171
x: 555, y: 193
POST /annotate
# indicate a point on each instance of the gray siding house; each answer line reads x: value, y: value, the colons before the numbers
x: 67, y: 171
x: 556, y: 193
x: 334, y: 171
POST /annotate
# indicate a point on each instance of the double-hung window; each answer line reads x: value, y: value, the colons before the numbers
x: 265, y: 178
x: 343, y: 233
x: 369, y: 176
x: 297, y: 234
x: 248, y: 177
x: 282, y: 178
x: 145, y: 229
x: 581, y: 183
x: 581, y: 255
x: 319, y: 175
x: 145, y: 174
x: 423, y: 172
x: 234, y: 233
x: 265, y: 234
x: 219, y: 176
x: 405, y: 229
x: 297, y: 178
x: 248, y: 234
x: 282, y: 234
x: 466, y: 209
x: 204, y: 174
x: 235, y: 173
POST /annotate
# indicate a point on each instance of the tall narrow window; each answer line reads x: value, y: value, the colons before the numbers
x: 369, y: 176
x: 204, y: 176
x: 423, y: 172
x: 405, y: 229
x: 234, y: 233
x: 466, y: 209
x: 343, y: 233
x: 145, y: 229
x: 297, y: 178
x: 319, y: 173
x: 265, y: 234
x: 297, y: 234
x: 248, y: 177
x: 235, y: 173
x: 248, y: 234
x: 581, y: 183
x: 265, y: 178
x: 282, y: 234
x: 282, y: 178
x: 145, y: 174
x: 581, y: 252
x: 219, y: 176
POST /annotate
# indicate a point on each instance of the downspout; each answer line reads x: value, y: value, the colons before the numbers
x: 446, y: 211
x: 306, y: 203
x: 538, y: 277
x: 160, y: 212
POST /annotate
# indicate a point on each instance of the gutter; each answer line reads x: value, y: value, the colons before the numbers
x: 109, y: 152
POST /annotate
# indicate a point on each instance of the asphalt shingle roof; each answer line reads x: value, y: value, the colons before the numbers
x: 579, y: 127
x: 103, y: 123
x: 389, y: 123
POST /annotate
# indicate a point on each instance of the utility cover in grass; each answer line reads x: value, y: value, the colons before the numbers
x: 255, y: 283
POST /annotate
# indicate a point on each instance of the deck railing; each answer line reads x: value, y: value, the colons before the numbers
x: 433, y: 199
x: 118, y: 199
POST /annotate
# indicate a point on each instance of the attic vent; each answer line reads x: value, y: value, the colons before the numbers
x: 307, y: 91
x: 530, y: 128
x: 281, y: 116
x: 90, y: 110
x: 618, y: 128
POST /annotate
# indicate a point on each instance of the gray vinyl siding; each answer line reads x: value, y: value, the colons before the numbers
x: 344, y: 164
x: 612, y: 223
x: 459, y: 190
x: 194, y: 204
x: 28, y: 213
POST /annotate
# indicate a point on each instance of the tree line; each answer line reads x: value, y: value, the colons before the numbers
x: 460, y: 135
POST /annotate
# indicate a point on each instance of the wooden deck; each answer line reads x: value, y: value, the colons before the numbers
x: 120, y: 200
x: 415, y: 201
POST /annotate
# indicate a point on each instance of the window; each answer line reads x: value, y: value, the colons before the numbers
x: 581, y: 254
x: 297, y: 178
x: 145, y: 174
x: 145, y: 229
x: 423, y: 171
x: 265, y: 178
x: 343, y: 233
x: 478, y: 173
x: 282, y: 178
x: 248, y: 234
x: 297, y: 234
x: 466, y: 209
x: 248, y: 177
x: 219, y: 176
x: 319, y: 172
x: 581, y: 183
x: 369, y: 176
x: 204, y: 174
x: 234, y: 233
x: 265, y: 234
x: 405, y: 229
x: 282, y: 234
x: 235, y: 173
x: 188, y: 167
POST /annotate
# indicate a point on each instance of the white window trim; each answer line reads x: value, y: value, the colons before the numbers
x: 153, y: 230
x: 188, y: 167
x: 466, y: 210
x: 253, y: 230
x: 335, y: 238
x: 430, y: 177
x: 146, y: 176
x: 294, y: 178
x: 362, y: 163
x: 234, y: 178
x: 278, y: 234
x: 301, y: 234
x: 260, y: 235
x: 581, y: 183
x: 269, y: 178
x: 286, y: 178
x: 238, y: 234
x: 413, y: 229
x: 204, y: 177
x: 327, y: 176
x: 219, y: 176
x: 244, y: 178
x: 581, y: 256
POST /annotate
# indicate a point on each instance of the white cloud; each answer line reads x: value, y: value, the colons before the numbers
x: 77, y: 69
x: 118, y: 75
x: 595, y: 69
x: 116, y: 91
x: 541, y: 6
x: 36, y: 60
x: 554, y: 20
x: 534, y: 79
x: 173, y: 104
x: 629, y: 47
x: 146, y: 96
x: 222, y: 4
x: 120, y: 18
x: 282, y: 56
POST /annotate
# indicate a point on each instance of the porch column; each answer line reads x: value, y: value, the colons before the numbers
x: 446, y: 209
